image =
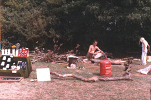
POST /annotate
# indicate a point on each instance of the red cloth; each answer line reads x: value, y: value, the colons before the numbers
x: 23, y: 52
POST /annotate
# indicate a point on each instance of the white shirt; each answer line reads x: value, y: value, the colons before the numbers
x: 146, y: 43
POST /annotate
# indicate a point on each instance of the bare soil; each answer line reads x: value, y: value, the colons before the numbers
x: 73, y: 89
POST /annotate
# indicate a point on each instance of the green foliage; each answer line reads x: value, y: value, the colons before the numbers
x: 26, y: 21
x: 117, y: 25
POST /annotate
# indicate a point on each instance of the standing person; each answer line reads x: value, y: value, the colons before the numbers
x: 92, y: 51
x: 144, y: 50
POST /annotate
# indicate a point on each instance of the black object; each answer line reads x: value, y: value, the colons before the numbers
x: 22, y: 64
x: 149, y: 73
x: 92, y: 62
x: 10, y: 78
x: 6, y: 61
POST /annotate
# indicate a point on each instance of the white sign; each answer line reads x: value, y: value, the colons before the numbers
x: 43, y: 74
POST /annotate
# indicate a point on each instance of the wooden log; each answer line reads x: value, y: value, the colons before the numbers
x: 113, y: 62
x: 127, y: 69
x: 129, y: 60
x: 115, y: 78
x: 93, y: 79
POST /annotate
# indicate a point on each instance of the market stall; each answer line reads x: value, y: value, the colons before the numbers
x: 11, y: 65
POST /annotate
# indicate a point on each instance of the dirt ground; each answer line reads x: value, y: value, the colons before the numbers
x: 73, y: 89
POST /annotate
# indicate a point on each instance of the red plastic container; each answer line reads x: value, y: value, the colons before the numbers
x: 105, y: 68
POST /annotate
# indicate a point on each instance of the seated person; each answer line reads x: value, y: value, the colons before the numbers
x: 92, y: 51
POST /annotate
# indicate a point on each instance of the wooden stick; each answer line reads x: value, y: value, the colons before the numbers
x: 92, y: 78
x: 116, y: 78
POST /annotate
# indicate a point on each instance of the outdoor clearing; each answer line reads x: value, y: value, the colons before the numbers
x: 73, y: 89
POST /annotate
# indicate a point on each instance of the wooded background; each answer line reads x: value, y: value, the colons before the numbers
x: 116, y: 24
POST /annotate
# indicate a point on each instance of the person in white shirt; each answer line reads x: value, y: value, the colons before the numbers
x: 144, y: 50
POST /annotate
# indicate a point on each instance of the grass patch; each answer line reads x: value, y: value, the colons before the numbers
x: 138, y: 89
